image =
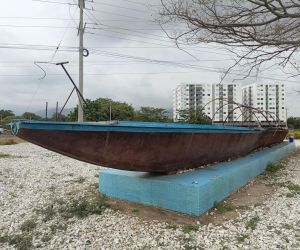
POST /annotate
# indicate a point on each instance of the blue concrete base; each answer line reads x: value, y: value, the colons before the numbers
x: 192, y: 192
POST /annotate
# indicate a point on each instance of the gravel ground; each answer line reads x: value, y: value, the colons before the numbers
x: 49, y: 201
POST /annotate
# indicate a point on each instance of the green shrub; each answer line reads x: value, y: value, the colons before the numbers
x: 294, y: 133
x: 83, y: 207
x: 189, y: 228
x: 28, y: 225
x: 222, y: 207
x: 252, y: 223
x: 273, y: 168
x: 19, y: 241
x: 2, y: 155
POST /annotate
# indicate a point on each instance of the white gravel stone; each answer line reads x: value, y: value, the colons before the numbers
x: 34, y: 177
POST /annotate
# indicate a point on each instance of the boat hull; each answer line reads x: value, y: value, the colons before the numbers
x: 151, y: 151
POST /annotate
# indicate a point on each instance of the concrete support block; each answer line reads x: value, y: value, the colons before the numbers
x: 193, y: 192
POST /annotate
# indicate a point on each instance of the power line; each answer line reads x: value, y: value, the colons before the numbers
x: 35, y: 26
x: 118, y: 14
x: 75, y: 48
x: 143, y: 4
x: 98, y: 22
x: 55, y: 2
x: 67, y: 19
x: 167, y: 42
x: 121, y: 7
x: 111, y: 62
x: 147, y: 73
x: 163, y: 46
x: 37, y: 49
x: 34, y: 18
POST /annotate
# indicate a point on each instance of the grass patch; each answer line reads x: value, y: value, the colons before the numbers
x: 278, y: 232
x: 189, y: 228
x: 293, y: 187
x: 28, y: 225
x: 9, y: 141
x: 241, y: 239
x: 135, y: 210
x: 223, y: 208
x: 287, y: 226
x: 58, y: 227
x: 171, y: 226
x: 19, y: 241
x: 80, y: 180
x: 48, y: 213
x: 53, y: 229
x: 46, y: 237
x: 273, y: 168
x: 294, y: 133
x: 290, y: 195
x: 189, y: 247
x: 84, y: 207
x: 2, y: 155
x: 252, y: 223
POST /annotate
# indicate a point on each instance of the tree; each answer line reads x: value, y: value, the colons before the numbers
x: 4, y: 113
x: 30, y: 116
x: 262, y: 29
x: 60, y: 117
x: 151, y: 114
x: 293, y: 122
x: 196, y: 116
x: 7, y: 119
x: 99, y: 110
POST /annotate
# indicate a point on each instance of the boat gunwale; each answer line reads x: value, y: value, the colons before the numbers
x: 125, y: 126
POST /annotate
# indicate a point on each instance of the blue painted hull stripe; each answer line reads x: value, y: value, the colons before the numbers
x: 134, y: 127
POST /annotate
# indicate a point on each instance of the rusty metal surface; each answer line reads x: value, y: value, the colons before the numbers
x: 151, y: 152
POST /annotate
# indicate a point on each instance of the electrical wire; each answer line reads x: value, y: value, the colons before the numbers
x: 55, y: 2
x: 148, y: 73
x: 121, y: 7
x: 35, y: 26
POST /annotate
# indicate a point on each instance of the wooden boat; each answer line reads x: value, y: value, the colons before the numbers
x: 150, y: 147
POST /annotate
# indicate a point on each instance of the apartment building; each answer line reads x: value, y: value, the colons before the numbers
x: 225, y: 109
x: 270, y: 98
x: 215, y: 99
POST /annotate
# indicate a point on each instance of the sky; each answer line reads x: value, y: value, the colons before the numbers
x: 131, y: 58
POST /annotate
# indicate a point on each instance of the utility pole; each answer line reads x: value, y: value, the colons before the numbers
x: 81, y: 4
x: 46, y: 115
x: 56, y: 112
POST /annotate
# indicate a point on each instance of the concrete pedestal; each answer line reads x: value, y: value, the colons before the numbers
x: 192, y: 192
